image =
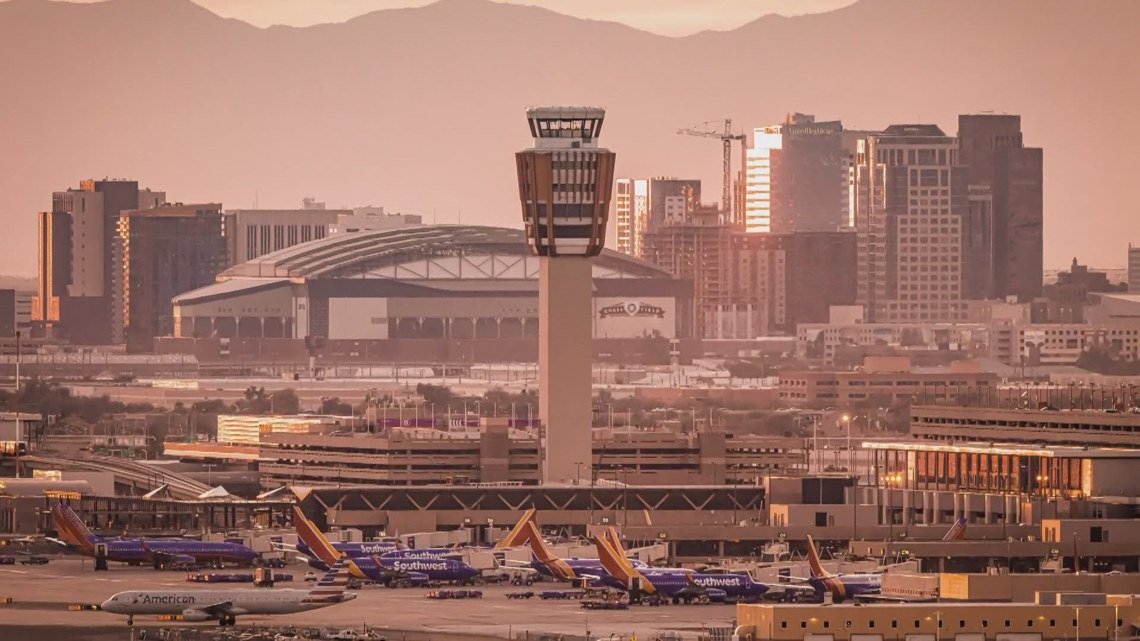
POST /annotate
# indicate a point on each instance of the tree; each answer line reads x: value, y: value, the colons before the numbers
x: 335, y: 407
x: 439, y: 394
x: 285, y: 402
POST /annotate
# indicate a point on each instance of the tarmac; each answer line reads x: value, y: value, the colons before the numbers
x: 41, y: 596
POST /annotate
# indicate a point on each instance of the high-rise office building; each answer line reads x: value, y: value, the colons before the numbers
x: 76, y: 274
x: 631, y: 214
x: 911, y: 199
x: 565, y: 185
x: 797, y: 177
x: 788, y: 279
x: 162, y: 252
x: 1133, y: 269
x: 994, y: 157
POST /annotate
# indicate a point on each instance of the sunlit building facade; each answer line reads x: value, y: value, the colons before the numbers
x: 631, y: 209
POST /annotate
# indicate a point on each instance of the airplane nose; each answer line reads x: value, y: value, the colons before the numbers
x: 108, y: 605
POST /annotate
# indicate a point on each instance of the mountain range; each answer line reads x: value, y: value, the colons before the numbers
x: 420, y: 109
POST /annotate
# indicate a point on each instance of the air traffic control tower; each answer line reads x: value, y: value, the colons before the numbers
x: 565, y: 184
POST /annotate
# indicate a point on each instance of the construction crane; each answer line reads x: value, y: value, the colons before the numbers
x: 708, y: 129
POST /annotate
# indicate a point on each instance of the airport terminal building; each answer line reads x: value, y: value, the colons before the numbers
x: 417, y: 285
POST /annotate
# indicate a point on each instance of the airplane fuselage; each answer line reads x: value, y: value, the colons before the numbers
x: 846, y: 586
x: 145, y: 551
x: 670, y: 582
x: 196, y: 601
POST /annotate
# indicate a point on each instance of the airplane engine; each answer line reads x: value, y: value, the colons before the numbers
x: 195, y: 615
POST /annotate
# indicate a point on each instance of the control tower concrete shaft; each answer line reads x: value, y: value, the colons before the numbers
x: 565, y: 185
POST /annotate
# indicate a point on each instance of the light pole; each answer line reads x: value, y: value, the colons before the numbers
x: 848, y: 419
x: 1077, y: 623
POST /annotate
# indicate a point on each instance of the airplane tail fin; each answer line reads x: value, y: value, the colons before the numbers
x: 611, y: 536
x: 813, y: 561
x: 518, y: 534
x: 330, y: 588
x: 72, y: 529
x: 957, y: 532
x: 319, y: 546
x: 619, y: 567
x: 545, y: 555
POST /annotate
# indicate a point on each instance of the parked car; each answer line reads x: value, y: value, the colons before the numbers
x: 7, y: 560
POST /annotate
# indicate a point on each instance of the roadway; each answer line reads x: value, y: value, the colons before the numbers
x: 125, y: 470
x: 70, y: 580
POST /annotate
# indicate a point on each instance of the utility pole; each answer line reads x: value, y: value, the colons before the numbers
x: 18, y: 441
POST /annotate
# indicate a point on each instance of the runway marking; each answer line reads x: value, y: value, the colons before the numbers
x: 17, y: 571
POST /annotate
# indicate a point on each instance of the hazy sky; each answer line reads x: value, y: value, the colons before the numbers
x: 669, y: 17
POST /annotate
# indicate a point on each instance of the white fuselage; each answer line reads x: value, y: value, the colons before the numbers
x: 240, y: 601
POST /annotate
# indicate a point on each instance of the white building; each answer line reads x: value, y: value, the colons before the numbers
x: 758, y: 179
x: 631, y: 205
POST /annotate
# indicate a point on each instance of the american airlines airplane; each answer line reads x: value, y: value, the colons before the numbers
x: 226, y: 605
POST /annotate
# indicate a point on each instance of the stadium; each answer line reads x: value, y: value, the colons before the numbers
x: 449, y: 292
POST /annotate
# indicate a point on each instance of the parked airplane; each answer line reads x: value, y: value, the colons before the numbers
x: 376, y: 567
x: 570, y: 569
x: 842, y: 586
x: 390, y: 550
x: 76, y: 536
x: 226, y: 605
x: 678, y: 583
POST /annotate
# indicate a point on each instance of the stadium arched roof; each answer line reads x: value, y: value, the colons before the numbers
x: 393, y: 253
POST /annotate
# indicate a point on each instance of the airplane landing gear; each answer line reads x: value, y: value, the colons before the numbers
x: 130, y: 620
x: 227, y: 619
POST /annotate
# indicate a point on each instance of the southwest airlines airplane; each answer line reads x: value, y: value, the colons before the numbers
x: 849, y: 586
x: 392, y: 551
x: 226, y: 605
x: 546, y: 562
x: 380, y: 567
x: 76, y: 536
x: 678, y: 583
